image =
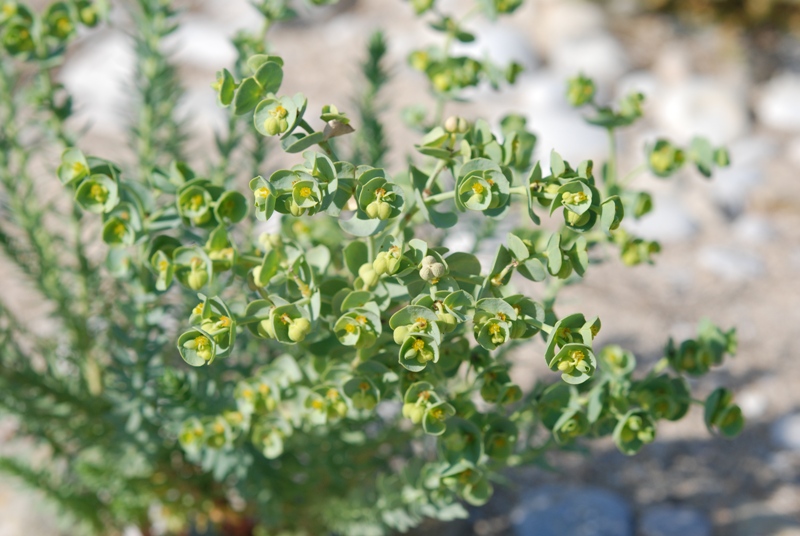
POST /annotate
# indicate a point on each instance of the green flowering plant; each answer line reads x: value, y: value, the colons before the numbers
x: 345, y: 373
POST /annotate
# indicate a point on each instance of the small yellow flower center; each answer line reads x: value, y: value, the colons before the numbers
x: 418, y: 345
x: 437, y: 414
x: 350, y: 328
x: 77, y: 167
x: 579, y: 197
x: 202, y: 342
x: 262, y: 193
x: 421, y: 322
x: 332, y: 394
x: 477, y: 188
x: 224, y: 322
x: 247, y: 394
x: 361, y: 319
x: 279, y: 112
x: 219, y: 428
x: 162, y: 266
x: 494, y: 329
x: 9, y: 9
x: 99, y: 193
x: 502, y: 316
x: 196, y: 202
x: 305, y: 191
x: 63, y: 25
x: 577, y: 356
x: 198, y: 310
x: 490, y: 181
x: 380, y: 192
x: 317, y: 404
x: 119, y: 230
x: 263, y: 389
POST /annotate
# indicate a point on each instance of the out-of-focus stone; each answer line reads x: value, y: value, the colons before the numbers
x: 560, y: 510
x: 665, y: 520
x: 668, y: 222
x: 776, y: 106
x: 785, y: 432
x: 702, y: 108
x: 731, y: 264
x: 599, y: 56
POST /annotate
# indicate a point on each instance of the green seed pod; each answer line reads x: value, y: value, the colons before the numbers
x: 197, y: 278
x: 372, y: 210
x: 368, y: 275
x: 271, y: 126
x: 384, y: 210
x: 400, y: 333
x: 298, y: 329
x: 413, y: 411
x: 381, y: 263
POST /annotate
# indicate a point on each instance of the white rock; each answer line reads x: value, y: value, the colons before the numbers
x: 792, y: 151
x: 785, y: 432
x: 201, y: 42
x: 702, y: 108
x: 597, y: 55
x: 753, y: 229
x: 753, y: 404
x: 668, y: 222
x: 776, y: 106
x: 731, y: 264
x: 564, y: 20
x: 99, y: 77
x: 638, y: 81
x: 500, y: 43
x: 557, y: 125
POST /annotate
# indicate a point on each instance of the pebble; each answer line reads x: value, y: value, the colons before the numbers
x: 663, y: 520
x: 668, y: 222
x: 500, y: 43
x: 599, y: 56
x: 753, y: 229
x: 560, y: 510
x: 701, y: 107
x: 785, y: 432
x: 731, y: 264
x: 98, y: 77
x: 777, y: 107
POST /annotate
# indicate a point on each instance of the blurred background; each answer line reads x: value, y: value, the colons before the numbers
x: 725, y: 69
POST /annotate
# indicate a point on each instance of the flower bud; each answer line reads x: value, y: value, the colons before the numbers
x: 430, y: 269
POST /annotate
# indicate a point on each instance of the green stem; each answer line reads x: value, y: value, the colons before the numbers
x: 611, y: 173
x: 440, y: 165
x: 438, y: 198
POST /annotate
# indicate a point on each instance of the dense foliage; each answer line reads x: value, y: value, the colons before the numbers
x: 345, y: 372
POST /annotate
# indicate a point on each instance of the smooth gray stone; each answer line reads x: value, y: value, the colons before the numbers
x: 674, y: 521
x: 574, y: 511
x: 785, y: 432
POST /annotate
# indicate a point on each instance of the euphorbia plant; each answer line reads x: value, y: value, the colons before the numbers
x: 347, y: 372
